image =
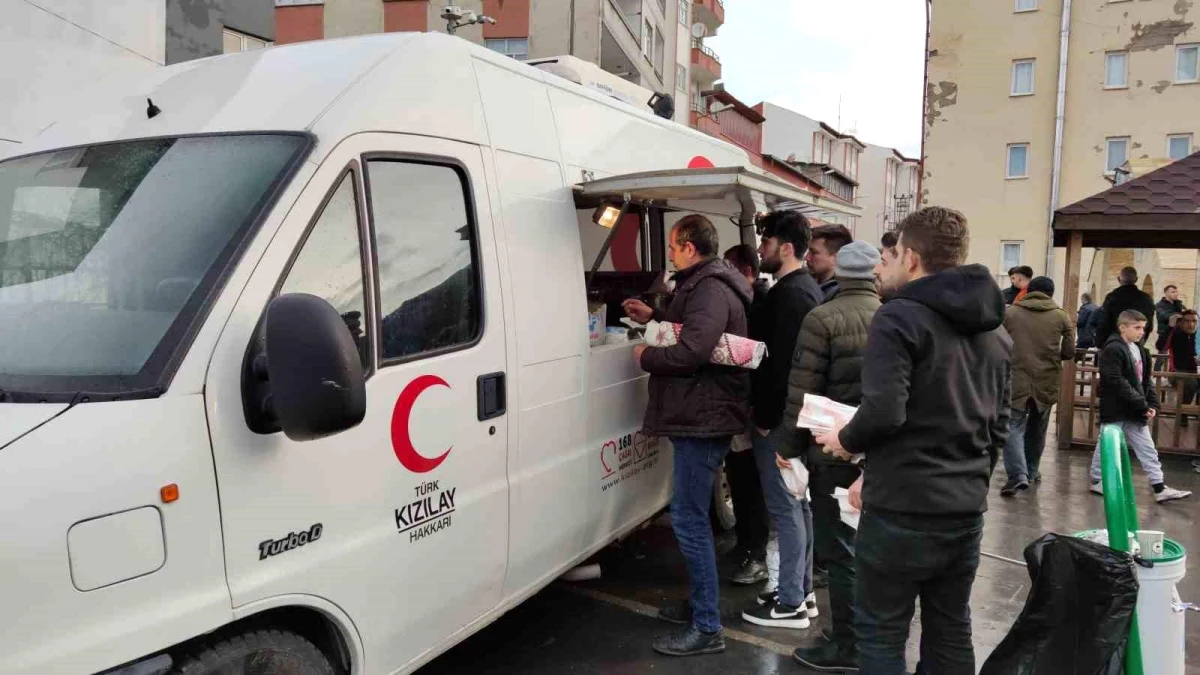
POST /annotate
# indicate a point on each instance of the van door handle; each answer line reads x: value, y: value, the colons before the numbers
x: 491, y: 395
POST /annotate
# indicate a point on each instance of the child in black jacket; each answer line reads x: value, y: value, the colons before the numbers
x: 1127, y: 399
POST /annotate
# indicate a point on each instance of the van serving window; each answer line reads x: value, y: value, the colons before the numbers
x: 427, y: 259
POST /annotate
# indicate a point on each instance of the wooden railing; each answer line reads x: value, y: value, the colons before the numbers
x: 1176, y: 428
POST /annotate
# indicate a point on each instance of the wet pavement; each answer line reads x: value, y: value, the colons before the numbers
x: 606, y: 626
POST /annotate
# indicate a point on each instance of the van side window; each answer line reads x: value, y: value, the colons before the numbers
x: 330, y: 265
x: 426, y: 258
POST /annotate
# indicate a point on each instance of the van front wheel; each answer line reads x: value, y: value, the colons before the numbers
x: 261, y: 652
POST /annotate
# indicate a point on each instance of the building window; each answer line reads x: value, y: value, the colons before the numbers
x: 1010, y: 254
x: 517, y: 48
x: 1022, y: 77
x: 1116, y: 70
x: 234, y: 42
x: 1118, y: 153
x: 429, y: 291
x: 1179, y: 146
x: 648, y: 38
x: 660, y: 50
x: 1187, y: 63
x: 683, y: 12
x: 1026, y: 5
x: 680, y: 78
x: 1018, y: 161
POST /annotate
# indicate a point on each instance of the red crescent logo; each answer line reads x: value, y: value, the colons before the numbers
x: 700, y: 162
x: 401, y: 422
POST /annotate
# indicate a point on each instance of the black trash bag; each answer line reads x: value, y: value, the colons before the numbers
x: 1076, y: 619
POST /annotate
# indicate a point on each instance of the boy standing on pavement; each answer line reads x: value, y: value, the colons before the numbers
x: 776, y: 322
x: 1043, y: 337
x: 700, y: 407
x: 828, y: 362
x: 932, y: 423
x: 1127, y: 399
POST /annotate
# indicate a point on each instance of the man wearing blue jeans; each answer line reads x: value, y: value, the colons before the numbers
x: 776, y: 321
x: 700, y: 406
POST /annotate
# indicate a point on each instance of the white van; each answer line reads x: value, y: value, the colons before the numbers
x: 201, y: 466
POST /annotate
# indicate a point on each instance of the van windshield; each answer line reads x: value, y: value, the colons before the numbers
x: 108, y: 254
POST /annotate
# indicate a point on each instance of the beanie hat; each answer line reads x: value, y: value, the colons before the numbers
x: 1042, y: 285
x: 857, y: 260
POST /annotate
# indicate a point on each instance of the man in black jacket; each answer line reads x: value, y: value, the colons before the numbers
x: 776, y: 322
x: 1125, y: 297
x: 1128, y: 400
x: 1168, y: 307
x: 700, y: 406
x: 932, y: 423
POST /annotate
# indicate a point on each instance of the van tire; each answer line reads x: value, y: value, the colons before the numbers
x: 722, y: 507
x: 291, y: 653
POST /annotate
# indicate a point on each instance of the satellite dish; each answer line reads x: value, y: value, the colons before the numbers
x: 699, y: 31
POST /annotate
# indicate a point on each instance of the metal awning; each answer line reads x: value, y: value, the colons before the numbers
x: 736, y: 192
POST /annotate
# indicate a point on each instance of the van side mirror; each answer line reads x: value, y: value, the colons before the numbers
x: 316, y: 381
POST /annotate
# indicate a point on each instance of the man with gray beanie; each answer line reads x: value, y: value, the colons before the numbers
x: 1043, y: 337
x: 827, y: 361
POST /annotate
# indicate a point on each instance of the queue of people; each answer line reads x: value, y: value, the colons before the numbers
x: 949, y: 376
x: 918, y: 465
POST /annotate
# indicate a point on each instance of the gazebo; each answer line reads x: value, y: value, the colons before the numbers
x: 1158, y: 210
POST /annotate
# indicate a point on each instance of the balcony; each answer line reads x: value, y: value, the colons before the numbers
x: 711, y: 13
x: 706, y: 66
x: 704, y: 123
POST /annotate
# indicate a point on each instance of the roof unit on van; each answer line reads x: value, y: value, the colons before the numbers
x: 594, y: 77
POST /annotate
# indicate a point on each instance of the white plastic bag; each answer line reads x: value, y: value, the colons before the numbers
x: 796, y: 478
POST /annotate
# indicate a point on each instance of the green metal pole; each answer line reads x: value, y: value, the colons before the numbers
x: 1120, y: 511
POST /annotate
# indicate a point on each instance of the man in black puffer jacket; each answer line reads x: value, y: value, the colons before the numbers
x: 700, y: 406
x: 932, y: 424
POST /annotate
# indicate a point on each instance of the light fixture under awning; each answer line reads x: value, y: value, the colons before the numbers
x: 736, y: 192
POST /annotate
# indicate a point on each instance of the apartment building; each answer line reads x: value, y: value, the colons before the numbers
x: 888, y: 190
x: 51, y: 51
x: 1035, y: 104
x: 651, y: 43
x: 829, y: 157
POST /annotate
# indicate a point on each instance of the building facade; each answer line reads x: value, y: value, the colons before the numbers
x: 887, y: 190
x: 650, y: 43
x: 50, y: 51
x: 1127, y: 90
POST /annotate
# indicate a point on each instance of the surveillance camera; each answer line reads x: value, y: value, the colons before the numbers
x: 490, y: 20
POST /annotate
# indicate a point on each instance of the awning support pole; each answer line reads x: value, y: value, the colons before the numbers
x: 1066, y: 389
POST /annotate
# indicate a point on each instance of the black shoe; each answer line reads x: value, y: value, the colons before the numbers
x: 679, y: 613
x: 820, y: 578
x: 777, y: 616
x: 690, y: 642
x: 751, y: 572
x: 768, y: 598
x: 1013, y: 486
x: 827, y: 658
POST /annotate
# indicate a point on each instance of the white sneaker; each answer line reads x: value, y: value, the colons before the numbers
x: 810, y: 606
x: 1097, y: 488
x: 1170, y: 493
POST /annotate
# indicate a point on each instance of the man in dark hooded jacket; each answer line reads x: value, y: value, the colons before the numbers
x: 700, y: 406
x: 932, y: 423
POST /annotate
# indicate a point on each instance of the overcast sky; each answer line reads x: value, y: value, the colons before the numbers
x: 804, y: 54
